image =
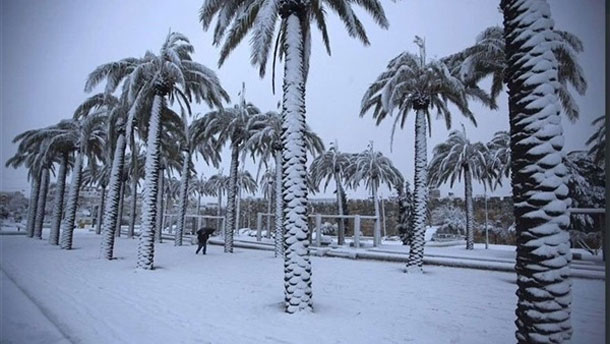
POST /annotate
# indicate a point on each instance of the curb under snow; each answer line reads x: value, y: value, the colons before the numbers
x: 402, y: 258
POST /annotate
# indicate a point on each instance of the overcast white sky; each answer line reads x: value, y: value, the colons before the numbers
x: 49, y: 47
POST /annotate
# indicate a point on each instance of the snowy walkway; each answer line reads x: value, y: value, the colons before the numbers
x: 22, y: 321
x: 237, y: 298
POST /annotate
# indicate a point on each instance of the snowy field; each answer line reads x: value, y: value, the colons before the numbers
x: 237, y: 298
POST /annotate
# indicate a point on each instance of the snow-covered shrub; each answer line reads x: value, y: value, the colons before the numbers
x: 329, y: 229
x: 450, y: 220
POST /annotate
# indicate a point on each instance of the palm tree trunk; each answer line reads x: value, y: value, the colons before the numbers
x: 420, y: 195
x: 486, y: 220
x: 67, y: 231
x: 33, y: 203
x: 160, y: 208
x: 297, y: 266
x: 377, y: 234
x: 146, y: 243
x: 538, y: 175
x: 111, y: 212
x: 219, y: 210
x: 59, y: 201
x: 42, y: 202
x: 341, y: 234
x: 269, y: 207
x: 184, y: 184
x: 230, y: 218
x: 134, y: 206
x: 238, y: 209
x: 279, y: 207
x: 468, y: 205
x: 100, y: 211
x: 119, y: 221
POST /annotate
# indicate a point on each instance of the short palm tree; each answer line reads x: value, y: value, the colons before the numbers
x: 411, y: 83
x: 219, y: 184
x: 374, y: 169
x: 266, y: 142
x: 245, y: 183
x: 231, y: 125
x: 457, y: 159
x: 195, y: 139
x: 293, y: 43
x: 332, y: 164
x: 538, y: 173
x: 597, y: 141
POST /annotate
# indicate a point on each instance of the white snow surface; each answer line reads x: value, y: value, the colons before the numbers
x: 238, y: 298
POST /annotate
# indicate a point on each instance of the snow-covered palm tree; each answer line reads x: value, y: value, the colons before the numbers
x: 332, y: 165
x: 457, y: 159
x: 538, y: 173
x: 487, y: 58
x: 171, y: 75
x: 219, y: 184
x: 245, y: 182
x: 89, y: 134
x: 412, y: 83
x: 231, y: 125
x: 374, y: 169
x: 195, y: 139
x: 597, y: 141
x: 266, y: 142
x: 293, y: 43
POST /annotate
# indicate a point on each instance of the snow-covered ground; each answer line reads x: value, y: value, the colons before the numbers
x: 237, y: 298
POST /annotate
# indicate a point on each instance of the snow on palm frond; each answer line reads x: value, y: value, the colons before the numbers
x: 597, y: 141
x: 487, y: 58
x: 500, y: 155
x: 330, y: 164
x: 373, y: 168
x: 235, y: 18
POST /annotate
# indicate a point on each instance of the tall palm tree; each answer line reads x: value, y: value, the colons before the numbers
x: 457, y: 159
x: 231, y: 125
x: 538, y: 173
x: 487, y: 58
x: 293, y: 43
x: 171, y: 74
x: 410, y: 82
x: 267, y: 183
x: 219, y: 183
x: 597, y: 141
x: 332, y: 164
x: 266, y: 142
x: 90, y: 135
x: 374, y: 169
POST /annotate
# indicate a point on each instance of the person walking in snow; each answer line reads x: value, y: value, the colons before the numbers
x: 202, y: 238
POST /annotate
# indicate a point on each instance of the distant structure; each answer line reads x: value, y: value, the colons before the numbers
x: 434, y: 194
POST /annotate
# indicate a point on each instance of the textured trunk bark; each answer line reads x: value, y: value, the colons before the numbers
x: 160, y: 208
x: 377, y: 234
x: 183, y: 203
x: 119, y: 221
x: 237, y: 210
x: 538, y: 175
x: 67, y: 231
x: 341, y: 234
x: 230, y: 218
x: 279, y: 206
x: 420, y: 195
x: 468, y: 210
x: 486, y: 220
x: 33, y: 204
x: 269, y: 208
x: 111, y: 211
x: 219, y: 211
x: 146, y: 242
x: 100, y: 211
x: 297, y: 266
x: 59, y: 201
x: 133, y: 207
x: 42, y: 203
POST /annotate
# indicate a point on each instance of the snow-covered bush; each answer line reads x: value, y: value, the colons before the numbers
x: 450, y: 220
